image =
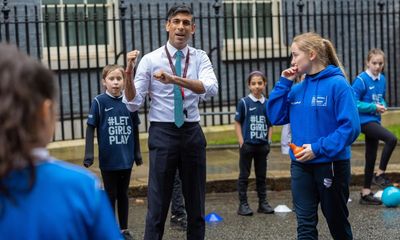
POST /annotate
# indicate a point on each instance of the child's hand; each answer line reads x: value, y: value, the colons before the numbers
x: 305, y: 155
x: 88, y: 162
x: 138, y: 161
x: 291, y: 73
x: 240, y: 143
x: 380, y: 108
x: 132, y: 57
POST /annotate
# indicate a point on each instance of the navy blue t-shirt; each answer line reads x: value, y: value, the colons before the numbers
x: 254, y: 120
x: 115, y: 136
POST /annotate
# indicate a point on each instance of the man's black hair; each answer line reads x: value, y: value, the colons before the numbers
x: 179, y: 8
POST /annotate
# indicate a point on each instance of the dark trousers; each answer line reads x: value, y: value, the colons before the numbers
x: 259, y: 154
x: 373, y: 133
x: 325, y: 183
x: 172, y: 148
x: 177, y: 204
x: 116, y: 184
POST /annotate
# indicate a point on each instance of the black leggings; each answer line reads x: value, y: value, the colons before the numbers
x: 373, y: 133
x: 259, y: 153
x: 116, y: 184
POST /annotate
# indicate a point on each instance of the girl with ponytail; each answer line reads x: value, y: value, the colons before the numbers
x: 324, y: 121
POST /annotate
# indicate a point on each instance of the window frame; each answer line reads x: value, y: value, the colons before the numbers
x: 237, y: 48
x: 59, y: 54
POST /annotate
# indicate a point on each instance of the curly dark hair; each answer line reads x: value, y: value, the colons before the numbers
x: 24, y: 85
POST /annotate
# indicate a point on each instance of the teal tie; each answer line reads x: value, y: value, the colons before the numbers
x: 178, y: 102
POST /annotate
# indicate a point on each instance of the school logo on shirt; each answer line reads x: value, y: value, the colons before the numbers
x: 258, y: 128
x: 376, y: 97
x: 118, y: 130
x: 319, y: 101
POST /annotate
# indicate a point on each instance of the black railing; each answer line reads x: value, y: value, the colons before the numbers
x: 77, y: 40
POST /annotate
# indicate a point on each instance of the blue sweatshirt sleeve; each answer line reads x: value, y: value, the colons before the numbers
x: 278, y: 103
x: 382, y: 101
x: 359, y: 91
x: 348, y: 130
x: 365, y: 107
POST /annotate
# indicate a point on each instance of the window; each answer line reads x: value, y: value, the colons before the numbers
x: 251, y: 29
x: 77, y: 29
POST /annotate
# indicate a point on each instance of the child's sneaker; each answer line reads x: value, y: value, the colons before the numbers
x: 369, y: 199
x: 382, y: 181
x: 244, y: 209
x: 127, y: 235
x: 264, y: 207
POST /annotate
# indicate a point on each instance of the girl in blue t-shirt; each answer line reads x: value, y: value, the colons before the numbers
x: 253, y: 130
x: 41, y: 197
x: 369, y: 88
x: 117, y: 137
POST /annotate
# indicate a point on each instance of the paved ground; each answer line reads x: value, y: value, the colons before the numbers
x: 223, y: 169
x: 368, y: 222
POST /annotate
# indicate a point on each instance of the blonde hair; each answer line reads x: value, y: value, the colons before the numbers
x: 323, y: 48
x: 375, y: 51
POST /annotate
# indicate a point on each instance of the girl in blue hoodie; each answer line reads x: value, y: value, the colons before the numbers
x: 369, y: 88
x: 324, y: 122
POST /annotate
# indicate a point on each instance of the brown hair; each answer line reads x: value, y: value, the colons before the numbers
x: 256, y: 73
x: 322, y: 47
x: 111, y: 67
x: 24, y: 85
x: 375, y: 51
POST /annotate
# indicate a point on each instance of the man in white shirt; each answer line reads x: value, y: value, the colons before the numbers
x: 175, y: 76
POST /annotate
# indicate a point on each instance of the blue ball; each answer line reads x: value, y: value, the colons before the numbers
x: 391, y: 197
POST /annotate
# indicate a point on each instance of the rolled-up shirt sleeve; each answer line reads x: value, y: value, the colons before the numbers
x: 142, y: 83
x: 207, y: 77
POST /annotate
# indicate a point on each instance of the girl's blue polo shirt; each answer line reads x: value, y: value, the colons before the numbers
x: 368, y: 92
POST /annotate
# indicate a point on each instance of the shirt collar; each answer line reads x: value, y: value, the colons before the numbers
x: 373, y: 76
x: 109, y: 94
x: 172, y: 50
x: 40, y: 154
x: 261, y: 100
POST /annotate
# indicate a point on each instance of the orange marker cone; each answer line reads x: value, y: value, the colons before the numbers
x: 295, y: 149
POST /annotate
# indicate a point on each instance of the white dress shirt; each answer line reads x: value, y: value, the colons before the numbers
x: 162, y: 95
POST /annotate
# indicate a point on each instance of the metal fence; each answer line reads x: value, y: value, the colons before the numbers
x: 77, y: 40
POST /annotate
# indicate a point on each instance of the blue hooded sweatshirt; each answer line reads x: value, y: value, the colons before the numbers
x: 321, y: 111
